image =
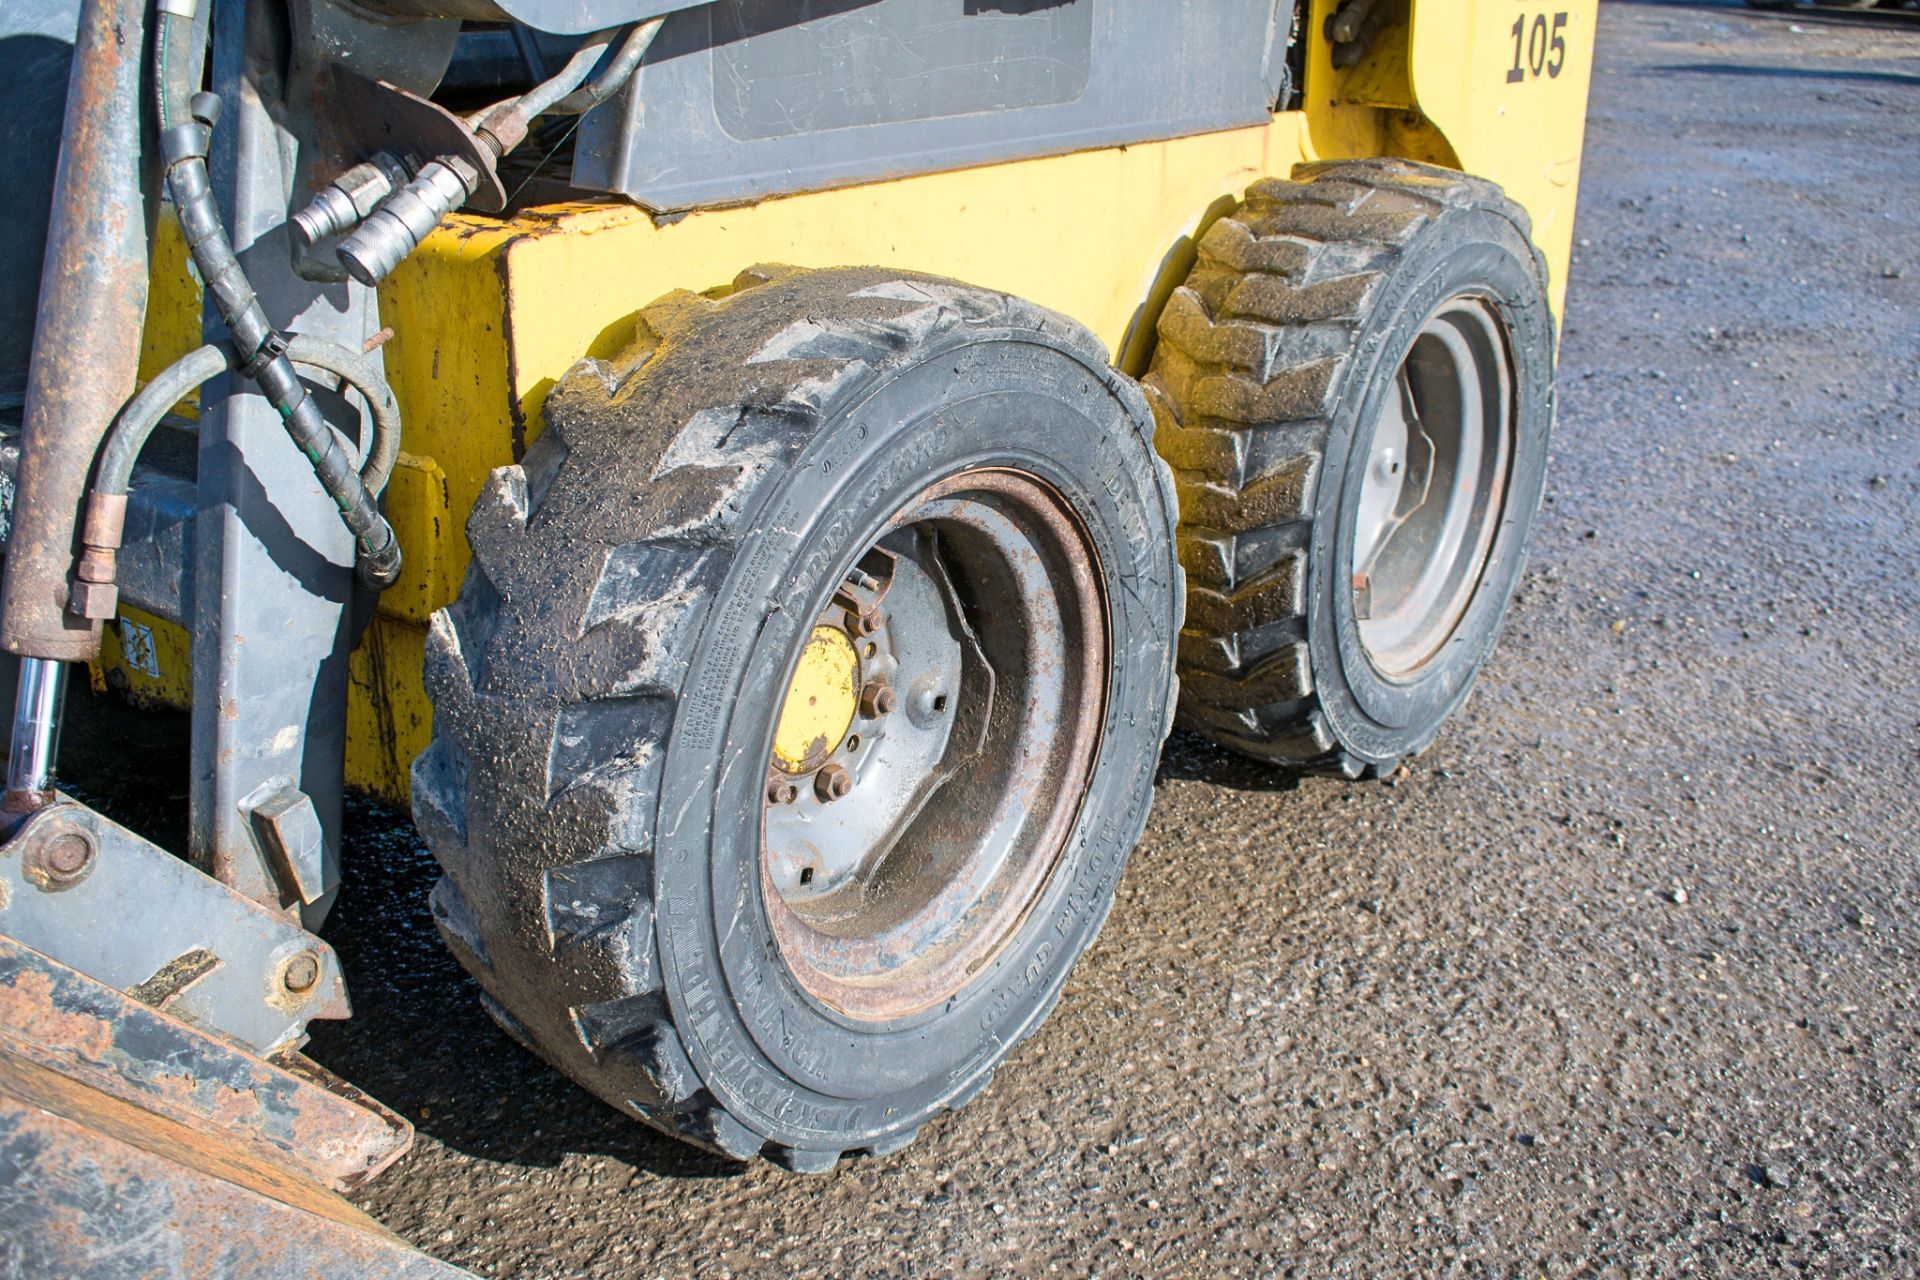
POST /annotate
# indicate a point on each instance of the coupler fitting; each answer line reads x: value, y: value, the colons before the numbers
x: 352, y: 197
x: 95, y: 593
x: 397, y: 227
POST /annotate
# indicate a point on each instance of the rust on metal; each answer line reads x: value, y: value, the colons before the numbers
x: 832, y: 782
x: 932, y: 933
x: 115, y: 1190
x: 288, y: 1112
x: 86, y: 342
x: 876, y: 699
x: 175, y: 976
x: 95, y: 593
x: 60, y: 861
x: 301, y: 972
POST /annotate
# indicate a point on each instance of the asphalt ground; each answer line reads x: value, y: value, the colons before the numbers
x: 1618, y: 980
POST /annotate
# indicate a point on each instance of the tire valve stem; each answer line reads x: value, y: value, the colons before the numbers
x: 1362, y: 597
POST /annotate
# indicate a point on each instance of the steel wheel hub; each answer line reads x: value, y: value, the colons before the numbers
x: 1434, y: 487
x: 935, y: 740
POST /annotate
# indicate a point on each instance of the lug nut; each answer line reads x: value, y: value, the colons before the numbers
x: 863, y: 624
x: 832, y: 782
x: 876, y: 699
x: 781, y: 791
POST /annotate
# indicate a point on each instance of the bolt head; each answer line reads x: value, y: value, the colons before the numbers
x: 64, y: 860
x: 68, y: 853
x: 300, y: 973
x: 832, y: 782
x: 863, y: 624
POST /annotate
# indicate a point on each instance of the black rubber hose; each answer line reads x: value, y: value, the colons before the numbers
x: 138, y: 418
x: 174, y: 60
x: 142, y: 414
x: 186, y: 127
x: 364, y: 375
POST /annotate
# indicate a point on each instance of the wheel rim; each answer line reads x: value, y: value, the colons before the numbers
x: 1434, y: 488
x: 898, y: 860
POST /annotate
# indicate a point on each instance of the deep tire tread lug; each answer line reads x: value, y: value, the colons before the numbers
x: 555, y: 915
x: 1251, y: 351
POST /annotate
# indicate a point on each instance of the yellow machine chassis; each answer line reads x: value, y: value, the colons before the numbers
x: 489, y: 313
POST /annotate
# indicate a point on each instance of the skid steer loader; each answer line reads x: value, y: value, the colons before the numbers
x: 760, y: 479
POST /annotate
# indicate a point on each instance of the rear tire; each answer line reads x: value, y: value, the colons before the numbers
x: 1321, y: 632
x: 607, y: 688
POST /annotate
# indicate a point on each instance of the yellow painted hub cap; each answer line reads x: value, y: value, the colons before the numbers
x: 820, y: 702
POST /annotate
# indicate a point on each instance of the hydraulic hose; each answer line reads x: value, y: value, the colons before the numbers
x: 507, y: 121
x: 95, y: 591
x: 364, y: 375
x: 143, y: 413
x: 608, y: 82
x: 186, y: 127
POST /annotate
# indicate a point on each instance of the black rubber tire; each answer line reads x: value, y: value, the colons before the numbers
x: 1266, y: 377
x: 605, y: 687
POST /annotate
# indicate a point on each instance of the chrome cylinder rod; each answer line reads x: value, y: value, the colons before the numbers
x: 35, y: 742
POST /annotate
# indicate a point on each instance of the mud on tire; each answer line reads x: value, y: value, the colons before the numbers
x: 605, y: 687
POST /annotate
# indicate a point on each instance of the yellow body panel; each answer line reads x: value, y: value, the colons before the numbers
x: 173, y: 306
x: 488, y: 314
x: 144, y: 659
x: 1525, y: 133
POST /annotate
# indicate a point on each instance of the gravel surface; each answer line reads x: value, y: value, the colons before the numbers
x: 1618, y: 979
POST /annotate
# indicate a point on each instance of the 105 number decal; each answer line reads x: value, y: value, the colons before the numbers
x: 1545, y: 48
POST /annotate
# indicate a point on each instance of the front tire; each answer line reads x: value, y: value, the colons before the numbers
x: 636, y: 725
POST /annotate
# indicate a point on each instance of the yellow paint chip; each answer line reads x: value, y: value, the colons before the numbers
x: 820, y: 701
